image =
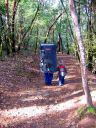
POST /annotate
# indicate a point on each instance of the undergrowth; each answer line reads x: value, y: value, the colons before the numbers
x: 84, y: 111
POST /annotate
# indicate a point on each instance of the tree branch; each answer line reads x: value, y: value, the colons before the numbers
x: 52, y: 26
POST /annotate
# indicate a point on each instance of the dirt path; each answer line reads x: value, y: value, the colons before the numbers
x: 27, y: 103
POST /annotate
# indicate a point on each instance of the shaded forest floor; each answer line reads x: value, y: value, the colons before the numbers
x: 25, y: 102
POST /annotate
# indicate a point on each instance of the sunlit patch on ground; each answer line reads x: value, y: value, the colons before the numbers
x: 29, y: 98
x: 20, y: 114
x: 33, y: 98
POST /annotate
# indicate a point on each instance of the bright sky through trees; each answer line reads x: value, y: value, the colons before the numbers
x: 55, y: 3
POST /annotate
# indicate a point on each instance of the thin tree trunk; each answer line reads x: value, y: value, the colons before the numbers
x: 0, y: 46
x: 15, y: 6
x: 90, y: 34
x: 7, y: 14
x: 59, y: 43
x: 8, y: 38
x: 1, y: 22
x: 53, y: 35
x: 67, y: 44
x: 79, y: 11
x: 29, y: 28
x: 13, y: 20
x: 36, y: 40
x: 82, y: 53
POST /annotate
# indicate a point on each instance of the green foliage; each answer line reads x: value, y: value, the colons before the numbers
x: 90, y: 48
x: 2, y: 7
x: 91, y: 110
x: 83, y: 111
x: 80, y: 111
x: 46, y: 16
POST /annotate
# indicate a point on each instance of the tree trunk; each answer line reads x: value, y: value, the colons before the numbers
x: 1, y: 29
x: 7, y: 14
x: 79, y: 11
x: 0, y: 46
x: 36, y: 40
x: 82, y: 53
x: 67, y: 43
x: 53, y: 35
x: 15, y: 6
x: 13, y: 22
x: 90, y: 34
x: 8, y: 38
x: 59, y: 43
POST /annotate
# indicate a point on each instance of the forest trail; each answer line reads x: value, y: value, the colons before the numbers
x: 27, y: 103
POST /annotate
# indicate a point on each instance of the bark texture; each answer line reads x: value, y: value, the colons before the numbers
x: 82, y: 53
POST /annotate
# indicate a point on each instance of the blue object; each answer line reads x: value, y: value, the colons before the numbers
x: 61, y: 80
x: 48, y: 78
x: 48, y: 60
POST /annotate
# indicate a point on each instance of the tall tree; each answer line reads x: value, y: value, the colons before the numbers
x: 15, y: 5
x: 59, y: 43
x: 82, y: 53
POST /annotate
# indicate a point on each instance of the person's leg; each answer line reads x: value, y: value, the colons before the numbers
x: 50, y: 77
x: 62, y: 80
x: 46, y: 78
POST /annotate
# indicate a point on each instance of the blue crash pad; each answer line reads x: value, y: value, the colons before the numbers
x: 48, y: 59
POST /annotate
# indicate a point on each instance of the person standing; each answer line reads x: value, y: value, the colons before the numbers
x: 62, y: 71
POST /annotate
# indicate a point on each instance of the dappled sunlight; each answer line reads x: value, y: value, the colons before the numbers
x: 33, y: 98
x: 25, y: 92
x: 93, y: 94
x: 72, y: 68
x: 71, y: 76
x: 52, y: 88
x: 27, y: 98
x: 82, y: 99
x: 20, y: 114
x: 76, y: 92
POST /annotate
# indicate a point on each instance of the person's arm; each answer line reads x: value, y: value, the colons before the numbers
x: 65, y: 70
